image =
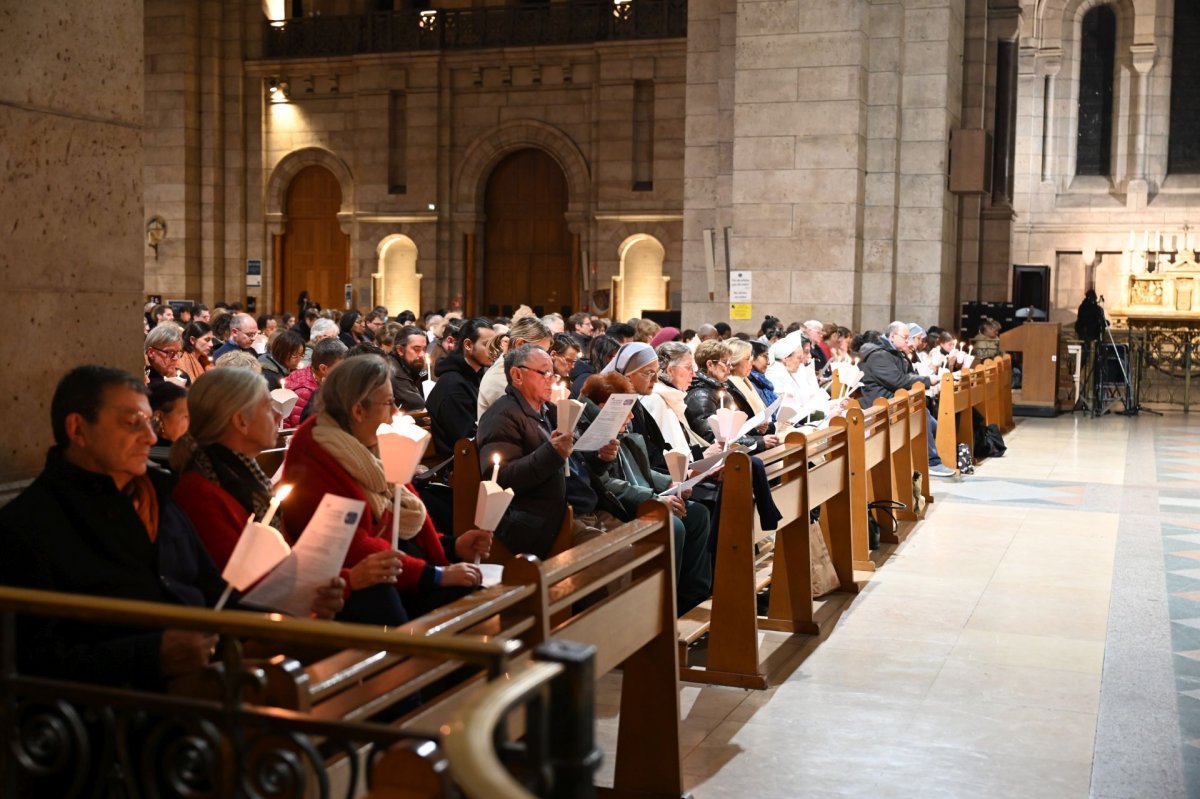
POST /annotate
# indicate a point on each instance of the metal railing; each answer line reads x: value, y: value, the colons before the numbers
x: 1164, y: 357
x: 475, y: 28
x: 67, y: 737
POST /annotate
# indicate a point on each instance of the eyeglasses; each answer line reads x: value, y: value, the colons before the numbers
x: 173, y: 355
x: 390, y: 401
x: 135, y: 421
x: 547, y: 373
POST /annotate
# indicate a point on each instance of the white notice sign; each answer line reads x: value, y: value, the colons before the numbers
x: 739, y: 287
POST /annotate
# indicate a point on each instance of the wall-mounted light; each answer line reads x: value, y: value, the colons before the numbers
x: 277, y: 91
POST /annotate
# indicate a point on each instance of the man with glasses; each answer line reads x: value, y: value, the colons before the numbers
x: 243, y: 329
x: 375, y: 321
x: 164, y: 348
x: 97, y: 522
x: 887, y: 369
x: 521, y: 428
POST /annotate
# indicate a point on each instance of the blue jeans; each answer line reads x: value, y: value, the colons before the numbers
x: 931, y: 439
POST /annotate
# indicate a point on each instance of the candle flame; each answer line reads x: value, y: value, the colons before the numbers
x: 283, y: 492
x: 496, y: 459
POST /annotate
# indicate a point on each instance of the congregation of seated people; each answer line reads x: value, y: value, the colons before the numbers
x: 152, y: 478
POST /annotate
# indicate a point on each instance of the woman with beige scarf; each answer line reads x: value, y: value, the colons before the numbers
x: 336, y: 452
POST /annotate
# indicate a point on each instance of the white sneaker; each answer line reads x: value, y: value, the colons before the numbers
x: 942, y: 470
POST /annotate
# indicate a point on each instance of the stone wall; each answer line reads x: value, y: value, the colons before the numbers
x: 817, y: 133
x: 216, y: 160
x: 71, y: 201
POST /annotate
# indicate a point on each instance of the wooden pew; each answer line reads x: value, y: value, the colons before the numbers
x: 992, y: 374
x: 870, y: 468
x: 918, y: 449
x: 465, y: 484
x: 806, y: 472
x: 955, y: 424
x: 1006, y: 392
x: 628, y: 577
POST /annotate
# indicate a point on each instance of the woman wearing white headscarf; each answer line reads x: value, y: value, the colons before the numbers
x: 792, y: 374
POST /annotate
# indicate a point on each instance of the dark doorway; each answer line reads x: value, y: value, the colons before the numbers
x: 316, y: 253
x: 528, y: 249
x: 1031, y: 286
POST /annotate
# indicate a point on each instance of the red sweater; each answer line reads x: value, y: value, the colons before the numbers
x: 216, y: 515
x: 304, y: 383
x: 313, y: 473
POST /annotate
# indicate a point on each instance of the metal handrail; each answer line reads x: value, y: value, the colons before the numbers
x: 274, y: 626
x: 469, y: 739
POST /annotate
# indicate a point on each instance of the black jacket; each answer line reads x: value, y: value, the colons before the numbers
x: 886, y: 370
x: 272, y: 370
x: 702, y: 402
x: 530, y: 466
x: 73, y: 531
x: 451, y: 403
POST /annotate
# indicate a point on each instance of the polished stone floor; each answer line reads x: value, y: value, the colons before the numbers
x: 1037, y: 635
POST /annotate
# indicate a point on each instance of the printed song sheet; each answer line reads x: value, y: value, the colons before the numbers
x: 608, y: 425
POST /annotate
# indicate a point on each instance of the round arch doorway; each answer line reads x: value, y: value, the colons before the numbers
x: 529, y: 252
x: 316, y: 253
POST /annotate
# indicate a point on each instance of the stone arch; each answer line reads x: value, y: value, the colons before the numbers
x: 287, y: 169
x: 488, y: 149
x: 641, y: 279
x: 1062, y: 22
x: 400, y: 282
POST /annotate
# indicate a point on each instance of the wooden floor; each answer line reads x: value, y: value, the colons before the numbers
x: 1020, y: 643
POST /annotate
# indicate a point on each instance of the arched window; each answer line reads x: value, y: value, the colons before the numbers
x: 401, y: 288
x: 1098, y: 42
x: 1183, y: 156
x: 642, y: 286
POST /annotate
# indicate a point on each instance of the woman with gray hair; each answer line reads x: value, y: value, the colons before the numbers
x: 232, y: 421
x: 337, y: 452
x: 667, y: 405
x: 164, y: 348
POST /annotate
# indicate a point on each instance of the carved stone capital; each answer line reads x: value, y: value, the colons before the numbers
x: 1049, y: 61
x: 1143, y: 56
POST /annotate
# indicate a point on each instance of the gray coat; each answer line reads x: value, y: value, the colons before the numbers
x: 886, y: 371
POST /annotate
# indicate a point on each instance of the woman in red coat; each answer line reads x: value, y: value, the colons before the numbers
x: 336, y: 453
x: 222, y: 486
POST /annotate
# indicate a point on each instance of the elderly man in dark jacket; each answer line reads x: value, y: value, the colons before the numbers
x: 520, y: 427
x: 887, y: 369
x: 452, y: 402
x: 96, y: 522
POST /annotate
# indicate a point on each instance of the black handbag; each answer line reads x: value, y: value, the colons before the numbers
x: 873, y: 530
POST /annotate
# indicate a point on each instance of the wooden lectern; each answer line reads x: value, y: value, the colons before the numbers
x: 1038, y: 344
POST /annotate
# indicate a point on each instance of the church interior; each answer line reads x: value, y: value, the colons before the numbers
x: 1036, y: 632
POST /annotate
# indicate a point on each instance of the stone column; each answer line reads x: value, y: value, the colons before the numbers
x: 1138, y: 194
x: 71, y: 200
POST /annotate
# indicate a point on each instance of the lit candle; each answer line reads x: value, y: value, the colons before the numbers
x: 428, y: 370
x: 279, y: 497
x: 496, y: 468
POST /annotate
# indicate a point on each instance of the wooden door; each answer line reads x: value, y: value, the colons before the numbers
x: 527, y: 246
x: 316, y: 253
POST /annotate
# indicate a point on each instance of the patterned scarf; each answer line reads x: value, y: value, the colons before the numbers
x: 239, y: 475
